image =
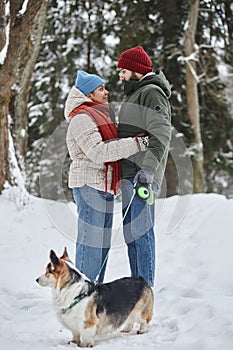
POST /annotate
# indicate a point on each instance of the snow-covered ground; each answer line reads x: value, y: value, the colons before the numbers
x: 194, y: 284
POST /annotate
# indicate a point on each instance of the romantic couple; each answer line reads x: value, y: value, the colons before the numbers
x: 106, y: 158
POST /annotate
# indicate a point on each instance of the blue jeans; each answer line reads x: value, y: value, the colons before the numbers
x: 95, y: 217
x: 138, y: 229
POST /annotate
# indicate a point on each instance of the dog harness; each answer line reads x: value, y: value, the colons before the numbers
x: 76, y: 301
x: 79, y: 297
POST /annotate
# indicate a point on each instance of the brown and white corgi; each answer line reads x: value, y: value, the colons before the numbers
x: 88, y: 309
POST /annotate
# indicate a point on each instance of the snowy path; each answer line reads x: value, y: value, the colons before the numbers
x: 193, y: 293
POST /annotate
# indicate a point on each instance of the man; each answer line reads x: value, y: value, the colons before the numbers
x: 145, y: 109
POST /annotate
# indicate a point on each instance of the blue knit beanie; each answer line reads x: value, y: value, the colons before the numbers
x: 87, y: 83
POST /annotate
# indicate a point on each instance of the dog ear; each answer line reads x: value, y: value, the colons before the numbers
x: 65, y: 256
x: 54, y: 259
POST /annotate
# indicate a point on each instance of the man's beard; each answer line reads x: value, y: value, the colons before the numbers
x: 131, y: 84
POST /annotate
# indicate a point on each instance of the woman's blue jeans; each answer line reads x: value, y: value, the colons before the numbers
x: 138, y: 229
x: 95, y: 217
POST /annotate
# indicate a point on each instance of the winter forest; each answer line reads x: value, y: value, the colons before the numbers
x: 42, y: 45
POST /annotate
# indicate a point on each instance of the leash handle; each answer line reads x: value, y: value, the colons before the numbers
x: 144, y: 192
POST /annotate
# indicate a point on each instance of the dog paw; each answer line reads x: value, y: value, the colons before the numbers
x: 125, y: 330
x: 75, y: 341
x: 86, y: 345
x: 142, y: 330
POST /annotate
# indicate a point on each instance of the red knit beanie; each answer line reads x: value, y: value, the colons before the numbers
x: 135, y: 60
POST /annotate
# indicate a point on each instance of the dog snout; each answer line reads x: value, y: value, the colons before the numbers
x: 45, y: 281
x: 40, y: 281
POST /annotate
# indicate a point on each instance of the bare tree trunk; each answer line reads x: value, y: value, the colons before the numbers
x: 20, y: 25
x: 4, y: 101
x: 20, y: 95
x: 192, y: 96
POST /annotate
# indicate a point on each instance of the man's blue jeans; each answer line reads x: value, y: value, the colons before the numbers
x: 139, y: 235
x: 95, y: 217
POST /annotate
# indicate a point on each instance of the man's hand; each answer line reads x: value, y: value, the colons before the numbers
x: 145, y: 177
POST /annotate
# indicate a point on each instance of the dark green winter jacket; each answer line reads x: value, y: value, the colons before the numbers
x: 146, y: 109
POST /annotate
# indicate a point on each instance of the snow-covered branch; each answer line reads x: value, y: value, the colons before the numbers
x: 23, y: 8
x: 3, y: 52
x: 187, y: 59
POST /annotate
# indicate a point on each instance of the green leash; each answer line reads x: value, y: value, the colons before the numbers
x: 82, y: 296
x: 145, y: 194
x: 121, y: 223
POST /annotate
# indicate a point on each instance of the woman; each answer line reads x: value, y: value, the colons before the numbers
x: 95, y: 171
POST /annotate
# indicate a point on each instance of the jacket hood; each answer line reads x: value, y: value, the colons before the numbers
x: 159, y: 79
x: 74, y: 99
x: 155, y: 78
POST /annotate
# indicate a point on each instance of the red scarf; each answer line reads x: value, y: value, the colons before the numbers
x: 108, y: 131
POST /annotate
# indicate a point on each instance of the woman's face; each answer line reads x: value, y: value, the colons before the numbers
x: 99, y: 95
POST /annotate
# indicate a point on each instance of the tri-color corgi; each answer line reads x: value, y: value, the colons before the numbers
x: 88, y: 309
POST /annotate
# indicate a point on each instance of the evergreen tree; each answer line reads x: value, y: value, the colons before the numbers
x: 215, y: 40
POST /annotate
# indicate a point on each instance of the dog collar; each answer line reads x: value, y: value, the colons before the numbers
x: 76, y: 301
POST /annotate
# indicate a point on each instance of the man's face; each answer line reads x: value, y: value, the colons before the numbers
x: 125, y: 74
